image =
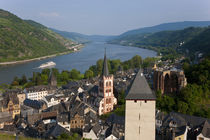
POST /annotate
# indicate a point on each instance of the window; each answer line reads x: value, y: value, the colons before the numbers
x: 107, y: 101
x: 107, y: 84
x: 139, y: 116
x: 145, y: 101
x: 110, y: 83
x: 139, y: 129
x: 135, y: 101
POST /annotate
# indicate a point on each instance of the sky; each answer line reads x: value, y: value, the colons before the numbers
x: 107, y: 17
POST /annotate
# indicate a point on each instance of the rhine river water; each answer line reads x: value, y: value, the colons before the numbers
x: 80, y: 60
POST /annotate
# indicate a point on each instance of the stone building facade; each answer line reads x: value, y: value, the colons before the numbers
x: 10, y: 104
x: 140, y: 111
x: 105, y: 90
x: 168, y: 81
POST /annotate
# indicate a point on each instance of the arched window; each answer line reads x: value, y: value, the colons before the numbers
x: 107, y: 84
x: 110, y: 83
x: 107, y: 101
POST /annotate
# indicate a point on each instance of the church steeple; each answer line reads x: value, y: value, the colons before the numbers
x: 105, y: 90
x: 52, y: 80
x: 105, y: 70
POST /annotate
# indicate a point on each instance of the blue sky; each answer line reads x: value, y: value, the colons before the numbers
x: 107, y: 17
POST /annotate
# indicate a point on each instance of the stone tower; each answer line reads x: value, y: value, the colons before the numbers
x: 52, y: 80
x: 105, y: 90
x: 140, y: 110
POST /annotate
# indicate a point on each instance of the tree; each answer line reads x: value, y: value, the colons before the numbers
x: 94, y: 70
x: 15, y: 81
x: 38, y: 80
x: 148, y: 61
x: 23, y: 80
x: 46, y: 72
x: 99, y: 66
x: 34, y: 77
x: 137, y: 61
x: 74, y: 74
x: 114, y: 65
x: 55, y: 71
x: 64, y: 76
x: 88, y: 74
x: 182, y: 107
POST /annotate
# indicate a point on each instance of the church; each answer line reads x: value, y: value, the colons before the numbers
x: 103, y: 97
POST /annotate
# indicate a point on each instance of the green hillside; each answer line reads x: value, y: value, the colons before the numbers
x: 24, y: 39
x: 166, y: 27
x: 192, y: 39
x: 201, y: 43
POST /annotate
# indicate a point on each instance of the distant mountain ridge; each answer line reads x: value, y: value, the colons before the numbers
x: 81, y: 38
x: 159, y: 38
x: 26, y: 39
x: 167, y: 27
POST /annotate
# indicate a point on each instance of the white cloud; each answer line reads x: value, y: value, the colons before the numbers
x: 49, y: 14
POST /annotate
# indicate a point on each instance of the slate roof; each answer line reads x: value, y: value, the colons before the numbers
x: 34, y: 103
x: 5, y: 117
x: 105, y: 70
x: 112, y: 130
x: 70, y: 85
x: 57, y: 130
x: 10, y: 96
x: 140, y: 89
x: 63, y: 117
x: 180, y: 130
x: 96, y: 129
x: 49, y: 97
x: 206, y: 129
x: 192, y: 121
x: 115, y: 119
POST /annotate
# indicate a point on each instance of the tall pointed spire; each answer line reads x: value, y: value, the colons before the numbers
x: 105, y: 70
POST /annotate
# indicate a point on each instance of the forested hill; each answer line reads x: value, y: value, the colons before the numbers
x: 192, y: 39
x: 167, y: 27
x: 25, y: 39
x: 200, y: 43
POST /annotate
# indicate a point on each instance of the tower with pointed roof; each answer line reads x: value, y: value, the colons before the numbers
x: 52, y: 80
x: 140, y: 110
x: 105, y: 90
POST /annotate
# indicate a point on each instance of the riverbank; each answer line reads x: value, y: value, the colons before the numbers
x: 81, y: 60
x: 71, y: 50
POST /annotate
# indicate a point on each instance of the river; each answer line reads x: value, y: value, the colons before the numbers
x: 80, y: 60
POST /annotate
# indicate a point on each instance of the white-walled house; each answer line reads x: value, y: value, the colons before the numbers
x: 52, y: 99
x: 38, y: 92
x: 111, y: 137
x: 92, y: 132
x: 64, y: 121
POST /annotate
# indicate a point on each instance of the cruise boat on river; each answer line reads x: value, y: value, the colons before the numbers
x: 47, y: 65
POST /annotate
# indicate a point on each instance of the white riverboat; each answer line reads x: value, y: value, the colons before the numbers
x: 47, y: 65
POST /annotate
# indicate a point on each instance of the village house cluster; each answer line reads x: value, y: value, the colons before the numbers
x: 47, y: 111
